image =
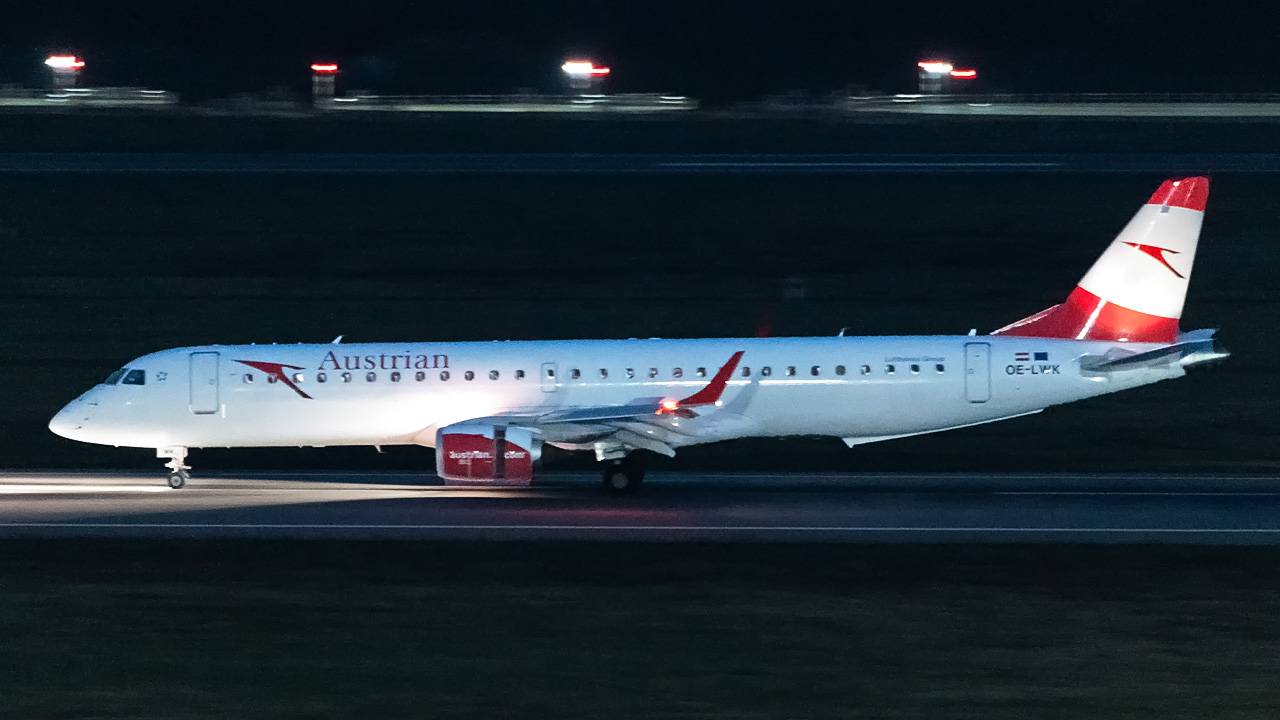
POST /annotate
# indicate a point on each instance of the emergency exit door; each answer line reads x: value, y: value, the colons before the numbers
x: 204, y: 383
x: 977, y: 372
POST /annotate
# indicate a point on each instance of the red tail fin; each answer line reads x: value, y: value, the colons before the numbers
x: 1135, y: 291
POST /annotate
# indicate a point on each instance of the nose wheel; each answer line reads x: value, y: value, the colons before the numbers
x: 178, y: 475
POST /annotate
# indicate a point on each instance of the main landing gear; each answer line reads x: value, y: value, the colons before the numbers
x: 178, y: 475
x: 624, y: 476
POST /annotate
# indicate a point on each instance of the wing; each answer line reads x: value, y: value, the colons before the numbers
x: 658, y: 424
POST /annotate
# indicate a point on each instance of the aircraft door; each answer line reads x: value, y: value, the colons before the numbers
x: 204, y: 383
x: 548, y: 376
x: 977, y: 372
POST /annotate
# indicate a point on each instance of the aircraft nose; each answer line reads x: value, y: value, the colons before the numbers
x: 68, y: 422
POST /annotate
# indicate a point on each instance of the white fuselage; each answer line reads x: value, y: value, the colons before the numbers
x: 384, y: 394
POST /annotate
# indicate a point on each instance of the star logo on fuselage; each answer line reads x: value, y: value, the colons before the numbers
x: 1158, y: 253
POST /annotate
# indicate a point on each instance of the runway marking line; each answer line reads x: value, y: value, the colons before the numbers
x: 633, y: 528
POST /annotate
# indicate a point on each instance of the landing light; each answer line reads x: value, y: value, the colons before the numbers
x: 937, y: 67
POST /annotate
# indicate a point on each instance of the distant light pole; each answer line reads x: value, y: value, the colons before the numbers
x: 936, y: 76
x: 322, y: 81
x: 583, y: 75
x: 65, y: 69
x: 933, y: 75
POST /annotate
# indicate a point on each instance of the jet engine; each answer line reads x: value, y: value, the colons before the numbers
x: 483, y: 454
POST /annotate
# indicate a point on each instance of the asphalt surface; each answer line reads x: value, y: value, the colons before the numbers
x: 722, y: 507
x: 568, y: 163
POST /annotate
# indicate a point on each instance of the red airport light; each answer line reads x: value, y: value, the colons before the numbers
x: 964, y: 74
x: 583, y: 68
x: 324, y: 68
x: 936, y: 67
x: 64, y: 62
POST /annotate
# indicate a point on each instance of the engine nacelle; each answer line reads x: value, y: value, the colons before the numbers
x: 476, y: 454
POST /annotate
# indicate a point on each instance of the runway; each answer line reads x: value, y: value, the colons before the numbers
x: 953, y: 508
x: 646, y: 163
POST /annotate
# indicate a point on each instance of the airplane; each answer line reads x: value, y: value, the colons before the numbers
x: 489, y: 408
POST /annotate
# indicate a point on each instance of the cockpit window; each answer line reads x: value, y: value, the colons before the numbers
x: 114, y: 377
x: 135, y: 377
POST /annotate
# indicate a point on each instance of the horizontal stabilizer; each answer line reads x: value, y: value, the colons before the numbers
x: 1192, y: 348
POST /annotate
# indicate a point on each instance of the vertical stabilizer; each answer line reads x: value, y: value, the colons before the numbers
x: 1135, y: 291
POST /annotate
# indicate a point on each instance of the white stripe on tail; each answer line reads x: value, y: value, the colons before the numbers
x: 1135, y: 291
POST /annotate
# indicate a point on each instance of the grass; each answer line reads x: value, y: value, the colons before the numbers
x: 303, y: 630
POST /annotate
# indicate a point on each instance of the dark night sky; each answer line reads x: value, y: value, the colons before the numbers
x: 717, y: 51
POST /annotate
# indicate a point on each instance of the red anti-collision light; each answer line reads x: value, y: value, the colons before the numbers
x: 964, y: 74
x: 324, y: 68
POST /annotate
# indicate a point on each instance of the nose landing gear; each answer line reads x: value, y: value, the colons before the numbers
x: 178, y: 475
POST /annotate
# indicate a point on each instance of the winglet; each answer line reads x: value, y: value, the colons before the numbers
x: 708, y: 395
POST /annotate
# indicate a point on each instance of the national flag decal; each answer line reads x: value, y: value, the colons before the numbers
x: 1022, y: 357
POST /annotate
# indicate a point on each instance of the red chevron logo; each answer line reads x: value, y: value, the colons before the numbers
x: 276, y: 370
x: 1158, y: 254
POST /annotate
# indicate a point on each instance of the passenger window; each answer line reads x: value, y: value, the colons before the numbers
x: 839, y: 369
x: 135, y: 377
x: 940, y: 368
x: 604, y: 374
x: 444, y: 374
x: 419, y: 376
x: 468, y: 375
x: 346, y: 377
x: 321, y: 377
x: 766, y: 371
x: 630, y: 373
x: 888, y: 369
x: 395, y: 377
x: 493, y: 374
x: 702, y: 372
x: 746, y: 371
x: 915, y: 369
x: 866, y: 369
x: 519, y: 374
x: 551, y: 373
x: 248, y: 378
x: 791, y: 371
x: 370, y: 377
x: 575, y: 374
x: 677, y: 373
x: 815, y: 370
x: 114, y: 377
x: 272, y: 379
x: 298, y: 377
x: 653, y: 373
